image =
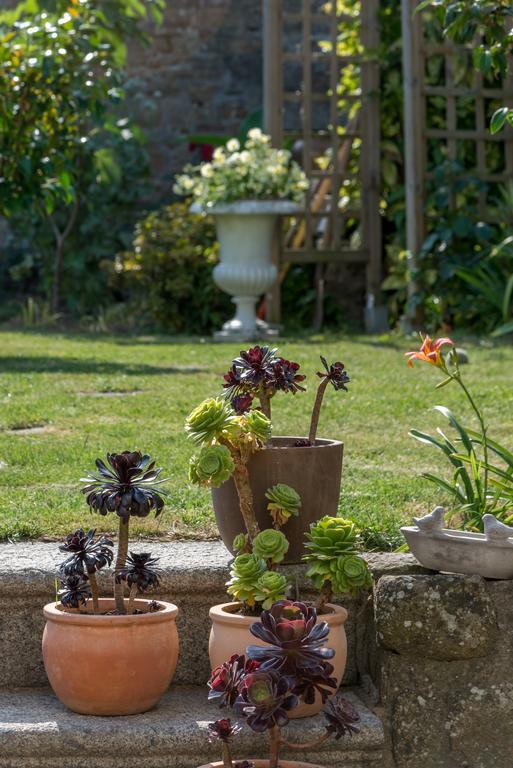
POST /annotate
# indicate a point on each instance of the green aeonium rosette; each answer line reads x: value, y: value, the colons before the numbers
x: 330, y: 537
x: 284, y: 502
x: 210, y: 419
x: 245, y: 572
x: 271, y: 545
x: 350, y: 573
x: 270, y: 588
x: 257, y: 425
x: 212, y: 466
x: 241, y: 544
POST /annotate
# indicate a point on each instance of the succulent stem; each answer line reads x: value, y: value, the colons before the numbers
x: 274, y: 735
x: 120, y: 564
x: 94, y: 592
x: 265, y: 404
x: 241, y: 480
x: 325, y: 596
x: 307, y: 744
x: 131, y: 600
x: 314, y: 422
x: 227, y: 757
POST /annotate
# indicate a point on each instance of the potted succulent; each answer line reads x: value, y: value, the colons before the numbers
x: 266, y: 687
x: 310, y: 465
x: 256, y: 582
x: 245, y: 189
x: 111, y: 656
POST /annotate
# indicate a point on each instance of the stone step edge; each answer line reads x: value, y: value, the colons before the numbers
x: 29, y: 568
x: 34, y: 723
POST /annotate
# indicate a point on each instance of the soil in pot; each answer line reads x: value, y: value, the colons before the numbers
x: 313, y: 471
x: 110, y: 664
x: 230, y: 634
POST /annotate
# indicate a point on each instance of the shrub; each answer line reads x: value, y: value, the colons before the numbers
x: 169, y: 270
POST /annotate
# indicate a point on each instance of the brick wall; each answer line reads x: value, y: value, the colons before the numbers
x: 202, y: 73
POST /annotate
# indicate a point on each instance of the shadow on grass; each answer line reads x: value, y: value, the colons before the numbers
x: 32, y: 364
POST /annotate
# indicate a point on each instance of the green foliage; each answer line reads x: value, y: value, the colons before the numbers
x: 271, y: 545
x: 270, y: 588
x: 245, y: 573
x: 168, y: 271
x: 484, y: 25
x: 210, y: 420
x: 284, y: 503
x: 212, y: 466
x: 62, y: 149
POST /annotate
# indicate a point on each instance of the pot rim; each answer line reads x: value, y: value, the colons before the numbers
x: 250, y: 206
x: 222, y: 615
x: 56, y: 615
x: 320, y: 443
x: 262, y: 763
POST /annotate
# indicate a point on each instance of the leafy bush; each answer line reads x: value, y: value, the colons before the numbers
x: 169, y: 271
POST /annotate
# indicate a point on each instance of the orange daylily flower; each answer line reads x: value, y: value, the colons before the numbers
x: 430, y: 351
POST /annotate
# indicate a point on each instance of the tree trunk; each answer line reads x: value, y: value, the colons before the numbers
x: 94, y: 592
x: 314, y: 423
x: 241, y: 480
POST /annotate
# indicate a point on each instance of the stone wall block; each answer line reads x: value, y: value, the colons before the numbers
x: 443, y: 617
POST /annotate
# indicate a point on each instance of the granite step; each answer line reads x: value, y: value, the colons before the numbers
x: 193, y: 576
x: 37, y: 731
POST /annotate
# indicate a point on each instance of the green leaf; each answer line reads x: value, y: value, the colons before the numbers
x: 498, y: 119
x: 465, y: 438
x: 444, y: 485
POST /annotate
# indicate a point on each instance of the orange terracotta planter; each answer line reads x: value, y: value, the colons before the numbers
x: 265, y: 764
x: 230, y: 634
x: 110, y: 665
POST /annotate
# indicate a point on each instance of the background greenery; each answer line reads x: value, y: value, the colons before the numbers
x: 89, y: 395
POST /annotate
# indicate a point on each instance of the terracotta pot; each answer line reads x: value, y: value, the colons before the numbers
x: 110, y: 665
x: 313, y: 471
x: 230, y: 634
x: 265, y: 764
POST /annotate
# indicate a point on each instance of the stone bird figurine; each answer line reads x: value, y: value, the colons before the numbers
x: 432, y: 522
x: 495, y: 530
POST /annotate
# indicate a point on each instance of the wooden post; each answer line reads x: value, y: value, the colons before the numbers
x: 376, y: 319
x: 414, y: 150
x: 273, y: 122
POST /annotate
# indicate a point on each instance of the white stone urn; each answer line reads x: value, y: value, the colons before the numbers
x: 245, y: 231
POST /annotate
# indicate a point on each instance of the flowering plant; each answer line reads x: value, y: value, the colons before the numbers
x: 292, y: 665
x: 478, y: 486
x: 255, y: 171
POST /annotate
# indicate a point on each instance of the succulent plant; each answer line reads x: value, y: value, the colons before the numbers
x: 242, y: 403
x: 330, y: 537
x: 295, y: 647
x: 257, y: 425
x: 209, y: 420
x: 223, y: 730
x: 335, y: 374
x: 74, y: 592
x: 271, y: 587
x: 284, y: 502
x: 251, y: 372
x: 286, y: 377
x: 265, y: 698
x: 212, y: 466
x: 128, y: 487
x: 341, y: 717
x: 350, y: 574
x: 140, y: 571
x: 245, y: 572
x: 271, y: 545
x: 86, y: 554
x: 241, y: 544
x: 225, y: 680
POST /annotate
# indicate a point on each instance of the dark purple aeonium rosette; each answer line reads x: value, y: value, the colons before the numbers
x: 260, y: 371
x: 265, y: 698
x: 295, y: 647
x: 335, y: 373
x: 226, y: 679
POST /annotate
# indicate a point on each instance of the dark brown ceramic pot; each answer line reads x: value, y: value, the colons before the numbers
x: 313, y: 471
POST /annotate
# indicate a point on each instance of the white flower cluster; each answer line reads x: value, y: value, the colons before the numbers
x: 255, y: 171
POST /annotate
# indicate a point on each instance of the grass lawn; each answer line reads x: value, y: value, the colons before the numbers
x: 95, y: 394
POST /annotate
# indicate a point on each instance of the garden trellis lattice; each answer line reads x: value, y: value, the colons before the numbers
x: 440, y: 79
x: 337, y: 135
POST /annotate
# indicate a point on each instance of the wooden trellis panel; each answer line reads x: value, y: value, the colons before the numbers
x: 418, y: 52
x: 336, y: 135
